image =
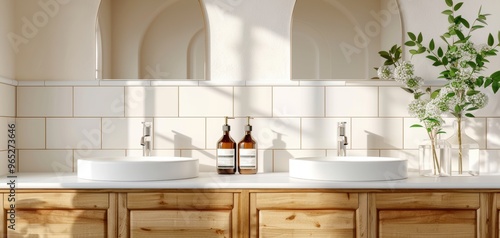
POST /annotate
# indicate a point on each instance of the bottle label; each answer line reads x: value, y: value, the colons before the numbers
x: 226, y: 158
x: 248, y: 158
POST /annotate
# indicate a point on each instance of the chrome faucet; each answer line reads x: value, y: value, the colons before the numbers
x: 341, y: 139
x: 146, y: 139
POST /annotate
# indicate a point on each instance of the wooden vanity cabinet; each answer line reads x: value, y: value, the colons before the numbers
x: 61, y: 214
x: 496, y: 223
x: 428, y: 214
x: 307, y: 214
x: 178, y: 214
x: 253, y: 213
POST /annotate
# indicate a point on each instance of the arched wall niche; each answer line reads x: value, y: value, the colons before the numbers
x: 154, y: 39
x: 340, y: 39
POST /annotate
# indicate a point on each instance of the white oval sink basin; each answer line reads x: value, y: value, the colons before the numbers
x: 349, y: 168
x: 137, y: 168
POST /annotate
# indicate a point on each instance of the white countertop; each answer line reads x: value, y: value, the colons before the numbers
x: 259, y: 181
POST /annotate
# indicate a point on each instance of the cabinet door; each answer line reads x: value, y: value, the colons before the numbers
x: 426, y: 214
x: 497, y: 214
x: 316, y: 214
x: 59, y: 215
x: 182, y: 215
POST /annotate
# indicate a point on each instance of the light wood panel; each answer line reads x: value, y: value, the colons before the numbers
x: 311, y: 214
x: 259, y: 213
x: 3, y: 225
x: 362, y: 217
x: 313, y: 223
x: 496, y: 223
x: 180, y: 200
x: 427, y: 200
x: 306, y: 200
x: 59, y: 201
x: 180, y: 223
x: 112, y: 216
x: 123, y: 216
x: 429, y: 214
x: 427, y: 223
x: 59, y: 223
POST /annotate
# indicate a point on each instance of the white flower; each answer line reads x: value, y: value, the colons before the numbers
x: 465, y: 72
x: 417, y: 108
x: 415, y: 83
x: 483, y: 48
x: 385, y: 72
x: 478, y: 100
x: 403, y: 72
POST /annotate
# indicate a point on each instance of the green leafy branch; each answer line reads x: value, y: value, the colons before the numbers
x: 456, y: 36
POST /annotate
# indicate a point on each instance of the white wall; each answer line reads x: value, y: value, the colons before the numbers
x: 340, y: 39
x: 7, y: 117
x: 293, y: 118
x: 425, y: 16
x: 7, y: 73
x: 170, y: 50
x: 249, y: 40
x: 7, y: 67
x: 56, y: 39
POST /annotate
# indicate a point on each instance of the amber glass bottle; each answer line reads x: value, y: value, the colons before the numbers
x: 247, y: 152
x: 226, y: 152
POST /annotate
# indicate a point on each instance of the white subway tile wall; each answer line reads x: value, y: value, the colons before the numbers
x: 206, y: 101
x: 99, y: 102
x: 4, y: 126
x: 352, y: 102
x: 493, y: 134
x: 152, y: 101
x: 30, y: 133
x: 179, y: 133
x: 59, y: 124
x: 51, y: 161
x: 299, y: 102
x: 45, y: 101
x: 122, y: 133
x: 393, y: 102
x: 8, y: 105
x: 321, y: 133
x: 253, y: 101
x: 377, y: 133
x: 73, y: 133
x: 7, y: 116
x: 413, y: 136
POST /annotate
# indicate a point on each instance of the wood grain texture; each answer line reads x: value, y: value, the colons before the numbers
x: 123, y: 216
x: 60, y: 201
x: 362, y: 216
x: 497, y: 200
x: 427, y: 223
x: 59, y: 223
x: 436, y: 200
x: 307, y: 200
x: 112, y: 216
x: 486, y: 216
x: 239, y: 215
x: 337, y: 223
x: 3, y: 225
x: 372, y: 216
x: 180, y: 223
x: 254, y: 219
x: 180, y: 201
x: 495, y: 223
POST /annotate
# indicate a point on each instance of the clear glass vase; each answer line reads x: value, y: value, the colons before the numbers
x: 464, y: 152
x: 434, y: 158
